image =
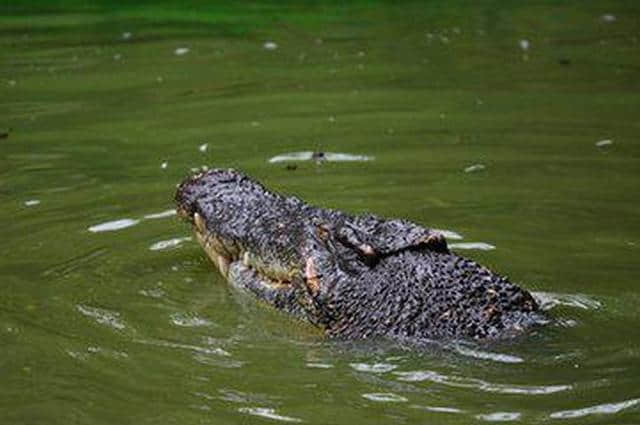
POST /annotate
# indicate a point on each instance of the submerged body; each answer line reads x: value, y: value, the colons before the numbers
x: 352, y: 276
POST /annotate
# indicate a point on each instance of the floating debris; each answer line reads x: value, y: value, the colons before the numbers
x: 474, y: 168
x: 203, y: 147
x: 113, y: 225
x: 385, y: 397
x: 524, y: 44
x: 608, y: 18
x: 319, y: 156
x: 181, y: 51
x: 31, y: 202
x: 605, y: 142
x: 169, y: 243
x: 268, y: 413
x: 270, y: 45
x: 482, y: 246
x: 126, y: 35
x: 164, y: 165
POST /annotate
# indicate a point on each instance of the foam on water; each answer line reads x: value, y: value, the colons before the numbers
x: 549, y: 300
x: 162, y: 214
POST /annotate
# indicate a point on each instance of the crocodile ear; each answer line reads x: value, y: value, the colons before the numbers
x: 374, y: 237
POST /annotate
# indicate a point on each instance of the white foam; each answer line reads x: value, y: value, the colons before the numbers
x: 181, y: 51
x: 605, y: 142
x: 110, y: 226
x: 203, y: 147
x: 31, y: 202
x: 549, y: 300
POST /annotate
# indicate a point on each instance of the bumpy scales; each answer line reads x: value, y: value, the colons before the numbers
x: 353, y: 276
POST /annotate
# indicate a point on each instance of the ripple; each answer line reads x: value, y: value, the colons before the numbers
x: 113, y: 225
x: 475, y: 167
x: 163, y: 214
x: 102, y: 316
x: 500, y: 416
x: 204, y: 350
x: 439, y: 409
x: 169, y: 243
x: 319, y: 365
x: 189, y: 320
x: 487, y: 355
x: 319, y: 156
x: 385, y: 397
x: 449, y: 234
x: 461, y: 382
x: 549, y: 300
x: 601, y: 409
x: 483, y: 246
x: 373, y: 368
x: 267, y: 412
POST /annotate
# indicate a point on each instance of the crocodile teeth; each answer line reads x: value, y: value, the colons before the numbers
x: 245, y: 258
x: 223, y: 265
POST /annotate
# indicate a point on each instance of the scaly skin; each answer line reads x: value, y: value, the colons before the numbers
x: 352, y: 276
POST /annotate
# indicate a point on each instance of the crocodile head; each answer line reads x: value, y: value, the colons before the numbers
x: 353, y: 276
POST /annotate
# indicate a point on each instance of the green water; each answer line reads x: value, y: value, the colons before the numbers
x: 115, y: 327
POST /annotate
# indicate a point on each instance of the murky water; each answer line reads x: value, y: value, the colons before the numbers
x: 515, y: 128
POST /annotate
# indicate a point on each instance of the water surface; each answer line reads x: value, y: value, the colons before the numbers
x: 515, y: 128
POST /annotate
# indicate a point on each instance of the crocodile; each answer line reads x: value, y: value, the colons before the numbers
x: 352, y: 276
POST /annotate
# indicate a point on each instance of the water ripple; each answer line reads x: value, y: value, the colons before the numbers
x: 163, y: 214
x: 605, y: 409
x: 373, y: 368
x: 482, y: 246
x: 267, y: 412
x: 549, y: 300
x: 455, y: 381
x: 500, y: 416
x: 189, y: 320
x: 169, y: 243
x: 102, y: 316
x: 385, y: 397
x: 487, y: 355
x: 113, y: 225
x: 196, y: 348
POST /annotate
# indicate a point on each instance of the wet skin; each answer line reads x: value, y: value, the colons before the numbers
x: 352, y: 276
